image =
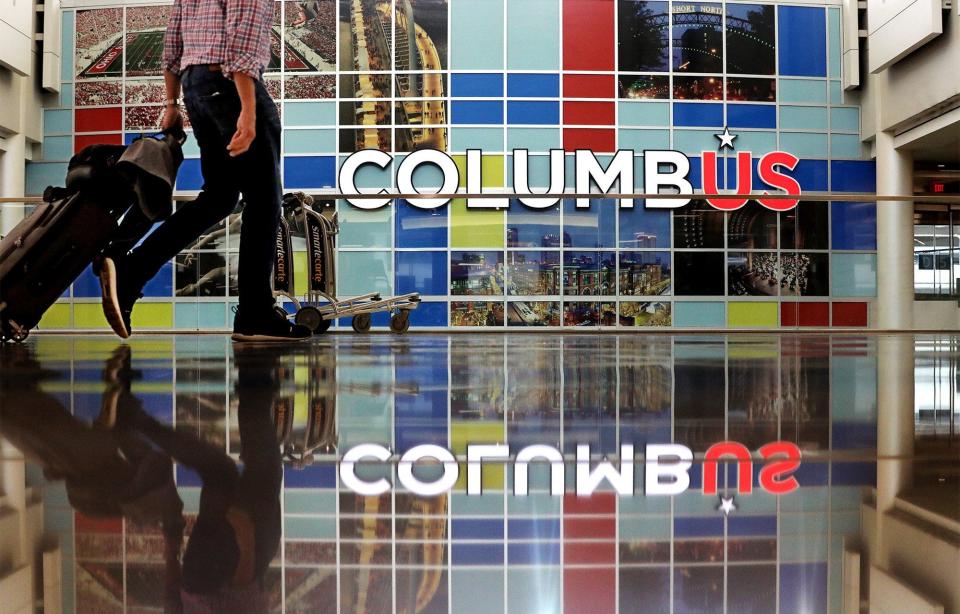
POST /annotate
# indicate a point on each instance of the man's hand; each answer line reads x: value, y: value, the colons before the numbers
x: 246, y: 132
x: 247, y: 122
x: 171, y: 117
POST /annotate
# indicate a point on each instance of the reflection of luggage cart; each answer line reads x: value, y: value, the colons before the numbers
x: 301, y: 441
x: 320, y: 305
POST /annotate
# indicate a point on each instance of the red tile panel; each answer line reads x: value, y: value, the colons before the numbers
x: 589, y: 113
x: 597, y: 503
x: 99, y: 119
x: 81, y: 141
x: 588, y: 35
x: 589, y: 86
x: 849, y: 314
x: 595, y: 139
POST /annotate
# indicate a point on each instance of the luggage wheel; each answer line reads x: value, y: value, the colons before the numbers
x: 11, y: 331
x: 361, y: 322
x: 400, y: 321
x: 312, y: 318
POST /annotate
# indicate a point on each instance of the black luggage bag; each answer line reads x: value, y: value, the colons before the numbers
x: 48, y: 249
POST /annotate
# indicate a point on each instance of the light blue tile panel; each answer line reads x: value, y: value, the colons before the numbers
x: 41, y: 174
x: 476, y: 34
x: 845, y: 119
x: 486, y: 504
x: 190, y: 148
x: 639, y: 140
x: 477, y: 591
x: 372, y: 176
x: 853, y: 275
x: 803, y: 548
x: 185, y: 316
x: 363, y: 272
x: 644, y: 114
x: 756, y: 142
x: 538, y: 170
x: 812, y: 119
x: 309, y: 141
x: 57, y: 121
x: 804, y: 145
x: 694, y: 142
x: 57, y: 148
x: 66, y: 46
x: 846, y: 146
x: 802, y: 90
x: 646, y: 528
x: 533, y: 34
x: 533, y: 139
x: 310, y: 113
x: 312, y: 527
x: 836, y: 93
x: 487, y: 139
x: 534, y: 589
x: 699, y: 314
x: 360, y: 228
x: 310, y: 501
x: 66, y: 95
x: 833, y: 42
x: 213, y: 315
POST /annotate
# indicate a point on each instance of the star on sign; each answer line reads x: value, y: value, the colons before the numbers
x: 725, y: 138
x: 727, y: 505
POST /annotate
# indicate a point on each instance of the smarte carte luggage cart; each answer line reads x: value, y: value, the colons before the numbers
x: 320, y: 306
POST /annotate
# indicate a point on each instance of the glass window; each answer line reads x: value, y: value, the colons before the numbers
x: 698, y: 273
x: 805, y: 226
x: 697, y: 34
x: 595, y: 226
x: 643, y: 37
x: 476, y: 273
x: 533, y: 227
x: 644, y: 87
x: 533, y: 273
x: 533, y: 313
x: 754, y: 90
x: 589, y: 273
x: 643, y: 228
x: 637, y: 313
x: 476, y: 314
x: 697, y: 225
x: 644, y: 273
x: 418, y: 227
x: 804, y: 274
x: 698, y: 88
x: 753, y: 226
x: 933, y: 256
x: 751, y: 39
x: 752, y: 274
x: 581, y: 314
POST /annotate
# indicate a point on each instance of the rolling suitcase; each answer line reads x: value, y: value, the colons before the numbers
x: 48, y: 249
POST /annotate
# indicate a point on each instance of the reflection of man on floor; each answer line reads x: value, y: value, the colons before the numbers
x: 237, y: 532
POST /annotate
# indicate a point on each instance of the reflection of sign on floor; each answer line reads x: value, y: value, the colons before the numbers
x: 666, y: 468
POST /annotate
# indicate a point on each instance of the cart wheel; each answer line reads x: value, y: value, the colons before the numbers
x: 361, y: 322
x: 281, y: 312
x: 400, y: 321
x: 311, y: 318
x: 324, y: 326
x: 18, y: 334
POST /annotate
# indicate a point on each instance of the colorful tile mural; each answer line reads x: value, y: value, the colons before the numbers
x: 499, y: 75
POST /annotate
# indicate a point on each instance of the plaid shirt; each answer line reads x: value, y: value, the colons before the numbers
x: 232, y: 33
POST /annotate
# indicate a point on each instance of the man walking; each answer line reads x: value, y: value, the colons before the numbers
x: 217, y: 50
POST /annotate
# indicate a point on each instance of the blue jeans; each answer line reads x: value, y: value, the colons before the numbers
x: 213, y: 106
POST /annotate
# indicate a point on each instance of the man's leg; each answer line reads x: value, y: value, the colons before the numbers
x: 123, y: 278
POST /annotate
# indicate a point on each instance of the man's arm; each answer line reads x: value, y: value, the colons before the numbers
x: 171, y: 110
x: 172, y: 52
x: 247, y: 122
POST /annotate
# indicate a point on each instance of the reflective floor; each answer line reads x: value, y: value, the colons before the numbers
x: 159, y: 472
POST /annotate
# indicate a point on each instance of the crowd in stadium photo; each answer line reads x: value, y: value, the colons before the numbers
x: 304, y: 87
x: 145, y: 92
x: 143, y: 18
x: 98, y: 93
x: 96, y: 26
